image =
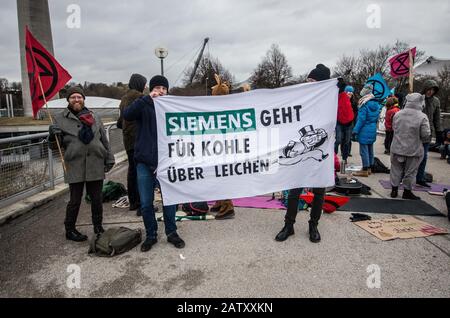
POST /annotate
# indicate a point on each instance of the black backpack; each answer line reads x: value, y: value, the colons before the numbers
x: 379, y: 167
x: 195, y: 208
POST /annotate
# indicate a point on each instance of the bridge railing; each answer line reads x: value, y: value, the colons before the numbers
x: 28, y: 166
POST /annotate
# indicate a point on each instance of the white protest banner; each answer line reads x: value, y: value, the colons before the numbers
x: 247, y: 144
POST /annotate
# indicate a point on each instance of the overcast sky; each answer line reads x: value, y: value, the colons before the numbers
x: 117, y: 38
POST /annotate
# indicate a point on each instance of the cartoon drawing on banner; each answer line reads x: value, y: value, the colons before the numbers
x: 306, y: 148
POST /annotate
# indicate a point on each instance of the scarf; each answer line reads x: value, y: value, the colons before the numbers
x: 365, y: 99
x: 86, y: 134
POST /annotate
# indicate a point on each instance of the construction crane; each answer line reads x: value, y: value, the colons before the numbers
x: 205, y: 41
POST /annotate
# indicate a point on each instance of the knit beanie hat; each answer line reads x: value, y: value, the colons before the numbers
x: 158, y: 80
x: 73, y: 90
x: 349, y: 89
x: 137, y: 82
x: 320, y: 73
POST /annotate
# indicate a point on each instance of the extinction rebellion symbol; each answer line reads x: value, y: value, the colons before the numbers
x: 47, y: 71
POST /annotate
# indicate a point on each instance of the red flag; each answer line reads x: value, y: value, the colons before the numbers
x: 40, y: 63
x: 400, y: 63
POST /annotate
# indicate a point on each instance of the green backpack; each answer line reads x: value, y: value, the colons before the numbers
x: 111, y: 191
x: 114, y: 241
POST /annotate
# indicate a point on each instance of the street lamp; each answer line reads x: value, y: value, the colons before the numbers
x: 161, y: 53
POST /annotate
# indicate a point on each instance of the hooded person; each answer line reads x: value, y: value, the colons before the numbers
x: 411, y: 128
x: 432, y: 109
x: 87, y: 156
x: 224, y: 208
x: 136, y: 86
x: 320, y: 73
x: 365, y: 130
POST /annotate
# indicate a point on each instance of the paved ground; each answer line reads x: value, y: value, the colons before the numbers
x: 232, y: 258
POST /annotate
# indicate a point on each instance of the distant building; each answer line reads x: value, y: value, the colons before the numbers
x: 431, y: 66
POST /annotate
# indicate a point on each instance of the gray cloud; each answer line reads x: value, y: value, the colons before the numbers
x: 118, y: 38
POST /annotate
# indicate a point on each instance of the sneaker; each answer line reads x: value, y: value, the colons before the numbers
x: 175, y: 240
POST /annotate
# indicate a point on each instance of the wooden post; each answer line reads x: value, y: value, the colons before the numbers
x: 51, y: 120
x: 411, y: 72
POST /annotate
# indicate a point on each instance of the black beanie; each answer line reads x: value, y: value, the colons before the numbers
x: 159, y: 80
x: 137, y: 82
x: 320, y: 73
x: 73, y: 90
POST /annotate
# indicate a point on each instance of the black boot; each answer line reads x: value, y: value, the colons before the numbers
x: 394, y: 192
x: 98, y: 229
x: 176, y: 240
x: 423, y: 184
x: 287, y: 231
x: 74, y: 235
x: 407, y: 194
x: 148, y: 244
x: 316, y: 212
x: 314, y: 235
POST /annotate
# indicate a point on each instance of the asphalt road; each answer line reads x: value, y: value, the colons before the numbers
x: 230, y: 258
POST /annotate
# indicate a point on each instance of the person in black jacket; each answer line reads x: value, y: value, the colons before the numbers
x: 142, y: 111
x: 136, y: 86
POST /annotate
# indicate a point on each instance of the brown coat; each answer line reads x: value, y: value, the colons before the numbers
x: 83, y: 162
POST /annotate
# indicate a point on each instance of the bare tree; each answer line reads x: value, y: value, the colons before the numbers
x: 273, y: 71
x: 205, y: 72
x: 356, y: 69
x: 3, y: 84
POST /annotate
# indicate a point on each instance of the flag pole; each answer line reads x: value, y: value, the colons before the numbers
x: 51, y: 120
x: 411, y: 74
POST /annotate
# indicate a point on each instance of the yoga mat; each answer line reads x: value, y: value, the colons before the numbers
x: 258, y: 202
x: 390, y: 206
x: 434, y: 186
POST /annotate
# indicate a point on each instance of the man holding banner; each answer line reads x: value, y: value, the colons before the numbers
x: 142, y: 111
x: 247, y: 144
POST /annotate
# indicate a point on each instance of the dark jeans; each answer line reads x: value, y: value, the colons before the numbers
x: 146, y: 183
x: 343, y: 138
x: 388, y: 140
x: 421, y: 172
x: 316, y: 210
x: 444, y: 150
x: 133, y: 193
x: 94, y: 189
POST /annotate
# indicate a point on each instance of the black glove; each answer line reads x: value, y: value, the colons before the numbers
x: 354, y: 137
x: 108, y: 167
x: 341, y: 85
x: 356, y: 217
x: 54, y: 129
x: 53, y: 132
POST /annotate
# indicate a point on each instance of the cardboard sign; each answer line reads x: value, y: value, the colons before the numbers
x: 400, y: 228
